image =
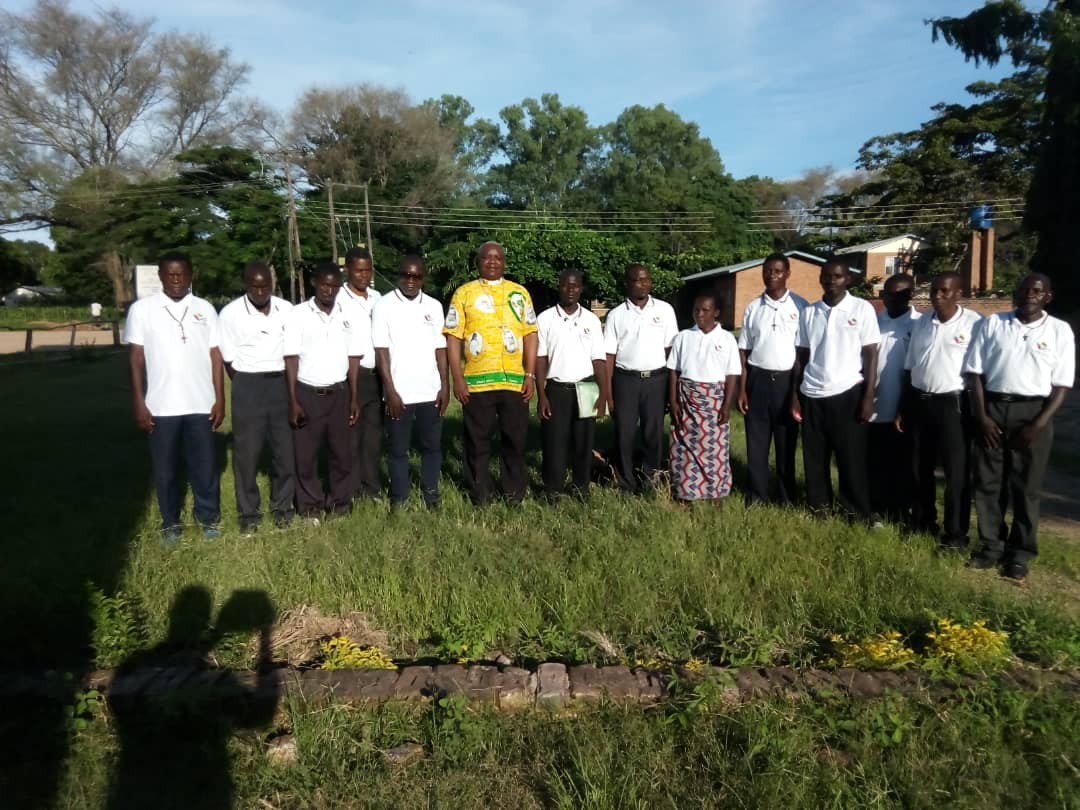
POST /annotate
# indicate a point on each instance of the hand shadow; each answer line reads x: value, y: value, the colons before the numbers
x: 174, y: 731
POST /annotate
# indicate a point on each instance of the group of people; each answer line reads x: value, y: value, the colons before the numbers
x: 350, y: 370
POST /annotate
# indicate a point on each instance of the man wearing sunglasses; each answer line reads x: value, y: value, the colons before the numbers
x: 410, y: 356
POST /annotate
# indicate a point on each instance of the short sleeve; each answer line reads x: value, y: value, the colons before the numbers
x: 361, y: 337
x: 734, y: 365
x: 380, y: 328
x: 529, y: 324
x: 973, y: 360
x: 454, y: 325
x: 1064, y: 373
x: 292, y: 339
x: 744, y: 333
x: 671, y: 326
x: 611, y: 334
x: 214, y: 324
x: 227, y: 338
x: 135, y: 325
x: 597, y: 350
x: 673, y: 356
x: 541, y: 340
x: 869, y: 333
x: 439, y: 339
x: 802, y: 339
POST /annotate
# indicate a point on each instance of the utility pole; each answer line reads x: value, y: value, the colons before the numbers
x: 333, y: 222
x: 293, y: 237
x: 367, y: 221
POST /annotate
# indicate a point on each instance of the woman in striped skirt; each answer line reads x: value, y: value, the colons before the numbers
x: 702, y: 387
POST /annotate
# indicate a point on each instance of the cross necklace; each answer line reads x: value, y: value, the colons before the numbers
x: 180, y: 323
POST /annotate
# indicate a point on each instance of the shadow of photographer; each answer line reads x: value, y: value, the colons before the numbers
x: 174, y: 714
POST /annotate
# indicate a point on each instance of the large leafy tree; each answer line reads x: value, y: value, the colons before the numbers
x: 89, y: 102
x: 220, y: 207
x: 541, y: 154
x: 1047, y: 43
x: 664, y: 183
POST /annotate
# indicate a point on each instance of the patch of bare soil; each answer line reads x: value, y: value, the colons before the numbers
x: 299, y: 632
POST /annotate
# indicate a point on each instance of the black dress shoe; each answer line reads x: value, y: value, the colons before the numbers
x: 1014, y: 570
x: 980, y: 563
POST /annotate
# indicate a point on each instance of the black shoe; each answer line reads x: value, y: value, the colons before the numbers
x: 954, y: 544
x: 1014, y: 571
x: 980, y: 563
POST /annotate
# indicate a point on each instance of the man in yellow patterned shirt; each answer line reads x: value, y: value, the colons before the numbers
x: 493, y: 321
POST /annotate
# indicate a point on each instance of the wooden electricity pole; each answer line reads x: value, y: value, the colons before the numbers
x: 367, y: 221
x: 293, y: 237
x: 333, y: 223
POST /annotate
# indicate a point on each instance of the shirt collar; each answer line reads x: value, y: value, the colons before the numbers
x: 631, y: 305
x: 783, y: 299
x: 168, y: 302
x: 274, y: 307
x: 953, y: 319
x: 841, y: 305
x: 567, y: 317
x: 315, y: 308
x: 401, y: 297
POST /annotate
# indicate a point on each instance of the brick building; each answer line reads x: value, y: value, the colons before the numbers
x: 737, y: 284
x: 883, y: 258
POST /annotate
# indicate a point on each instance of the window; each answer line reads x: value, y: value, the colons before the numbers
x: 892, y: 265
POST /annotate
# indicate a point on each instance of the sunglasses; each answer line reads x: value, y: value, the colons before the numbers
x: 414, y: 276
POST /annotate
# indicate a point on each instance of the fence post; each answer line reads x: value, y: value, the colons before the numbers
x: 116, y: 333
x: 29, y: 339
x: 71, y: 345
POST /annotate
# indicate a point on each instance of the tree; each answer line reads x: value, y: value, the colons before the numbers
x: 88, y: 103
x: 543, y: 146
x: 928, y: 179
x: 219, y: 207
x: 652, y: 161
x: 23, y: 262
x: 1035, y: 40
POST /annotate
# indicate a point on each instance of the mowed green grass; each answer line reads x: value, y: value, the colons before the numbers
x: 723, y: 582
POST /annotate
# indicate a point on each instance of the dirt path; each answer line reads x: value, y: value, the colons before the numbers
x: 14, y: 341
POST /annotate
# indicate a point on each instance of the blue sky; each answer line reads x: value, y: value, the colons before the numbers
x: 777, y: 85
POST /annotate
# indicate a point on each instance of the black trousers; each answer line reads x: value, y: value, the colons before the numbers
x: 940, y: 430
x: 327, y: 421
x: 831, y: 428
x: 484, y: 411
x: 1004, y: 477
x: 566, y: 436
x: 367, y: 436
x: 638, y: 400
x: 892, y: 479
x: 260, y: 414
x: 768, y: 422
x: 424, y: 417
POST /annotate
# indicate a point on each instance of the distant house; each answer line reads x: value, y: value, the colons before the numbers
x: 885, y: 257
x: 32, y: 294
x: 737, y: 284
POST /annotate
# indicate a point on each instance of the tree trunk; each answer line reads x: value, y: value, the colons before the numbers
x: 115, y: 271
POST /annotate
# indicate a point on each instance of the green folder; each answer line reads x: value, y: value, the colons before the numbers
x: 587, y: 394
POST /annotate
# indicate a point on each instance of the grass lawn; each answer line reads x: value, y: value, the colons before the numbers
x: 615, y: 579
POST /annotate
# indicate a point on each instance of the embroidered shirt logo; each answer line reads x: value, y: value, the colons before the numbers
x: 852, y: 321
x: 199, y: 317
x: 1042, y: 345
x: 960, y: 340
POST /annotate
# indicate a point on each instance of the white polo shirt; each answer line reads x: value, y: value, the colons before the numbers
x: 251, y: 341
x: 411, y: 331
x: 769, y: 330
x: 324, y: 343
x: 892, y: 352
x: 706, y: 357
x: 1022, y: 359
x: 176, y: 337
x: 570, y: 343
x: 366, y: 306
x: 937, y: 350
x: 836, y: 337
x: 639, y: 337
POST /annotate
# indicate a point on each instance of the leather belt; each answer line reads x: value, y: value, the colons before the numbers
x: 323, y: 390
x: 994, y: 396
x: 643, y: 375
